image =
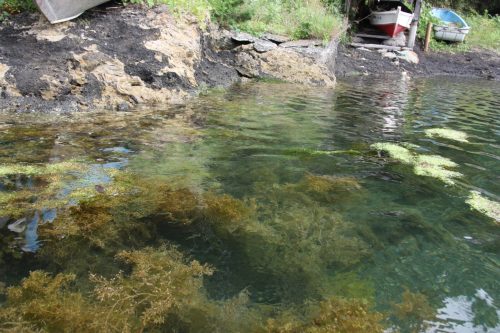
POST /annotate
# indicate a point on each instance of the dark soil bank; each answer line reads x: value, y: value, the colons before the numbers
x: 116, y: 57
x: 480, y: 64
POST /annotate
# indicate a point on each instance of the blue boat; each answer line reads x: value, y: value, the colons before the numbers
x: 452, y: 27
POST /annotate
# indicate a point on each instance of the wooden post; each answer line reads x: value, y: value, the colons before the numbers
x: 427, y: 36
x: 414, y: 24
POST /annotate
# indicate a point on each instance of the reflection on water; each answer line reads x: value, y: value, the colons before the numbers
x: 277, y: 188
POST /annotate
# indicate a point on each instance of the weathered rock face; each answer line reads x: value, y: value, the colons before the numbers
x: 126, y: 56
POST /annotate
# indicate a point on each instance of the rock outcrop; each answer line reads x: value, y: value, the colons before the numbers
x: 120, y: 57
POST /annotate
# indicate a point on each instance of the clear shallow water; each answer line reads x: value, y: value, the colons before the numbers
x: 279, y: 191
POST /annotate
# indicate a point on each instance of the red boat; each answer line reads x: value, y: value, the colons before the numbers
x: 392, y: 17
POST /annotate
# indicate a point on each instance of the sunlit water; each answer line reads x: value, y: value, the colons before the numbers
x: 383, y: 231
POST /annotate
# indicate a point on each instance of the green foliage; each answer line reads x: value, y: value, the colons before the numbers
x: 297, y: 19
x: 199, y: 8
x: 484, y: 32
x: 16, y: 6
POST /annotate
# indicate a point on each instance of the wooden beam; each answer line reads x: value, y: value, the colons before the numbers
x: 373, y: 36
x: 428, y: 33
x: 412, y: 36
x: 377, y: 46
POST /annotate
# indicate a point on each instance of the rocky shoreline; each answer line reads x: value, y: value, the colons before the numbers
x: 360, y: 61
x: 118, y: 57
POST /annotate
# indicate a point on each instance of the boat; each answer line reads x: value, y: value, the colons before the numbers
x: 57, y: 11
x: 451, y: 28
x: 392, y: 17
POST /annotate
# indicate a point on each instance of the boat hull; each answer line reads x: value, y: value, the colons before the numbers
x: 452, y: 28
x: 57, y: 11
x: 391, y: 22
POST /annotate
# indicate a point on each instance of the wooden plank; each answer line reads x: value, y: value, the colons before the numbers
x: 377, y: 46
x: 414, y: 24
x: 427, y: 36
x: 373, y: 36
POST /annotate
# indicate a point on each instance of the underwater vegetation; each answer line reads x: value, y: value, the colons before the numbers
x: 335, y: 315
x: 423, y: 165
x: 484, y: 205
x: 395, y: 151
x: 160, y: 285
x: 413, y: 311
x: 447, y: 133
x: 53, y: 185
x: 231, y: 225
x: 163, y: 291
x: 286, y: 234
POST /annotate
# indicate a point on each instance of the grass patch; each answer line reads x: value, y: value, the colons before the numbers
x: 485, y: 31
x: 297, y: 19
x: 8, y: 7
x: 199, y: 8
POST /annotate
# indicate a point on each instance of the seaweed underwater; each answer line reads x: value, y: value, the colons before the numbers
x: 135, y: 288
x: 231, y: 229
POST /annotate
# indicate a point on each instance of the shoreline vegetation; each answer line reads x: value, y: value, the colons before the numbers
x: 308, y: 19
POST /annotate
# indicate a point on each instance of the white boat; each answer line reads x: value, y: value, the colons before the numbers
x: 392, y: 21
x: 452, y: 27
x: 57, y: 11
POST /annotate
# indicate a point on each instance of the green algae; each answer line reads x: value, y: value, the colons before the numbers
x: 395, y: 151
x: 447, y: 133
x: 484, y: 205
x: 313, y: 152
x: 434, y: 166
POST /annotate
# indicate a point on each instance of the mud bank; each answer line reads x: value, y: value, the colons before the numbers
x: 358, y: 61
x: 116, y: 57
